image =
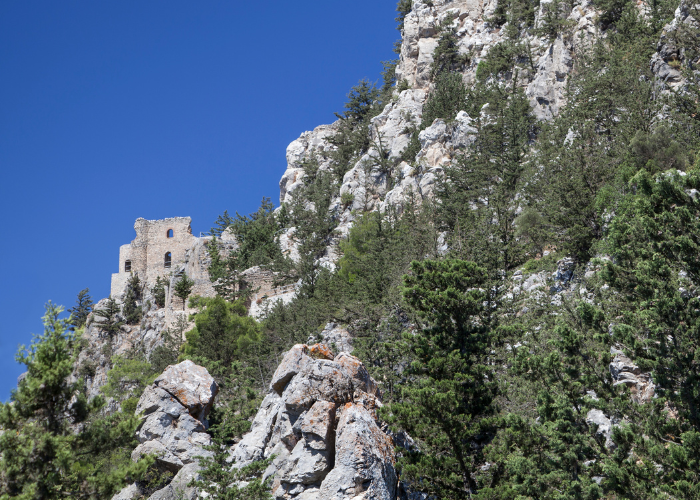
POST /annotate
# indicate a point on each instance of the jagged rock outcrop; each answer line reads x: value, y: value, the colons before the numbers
x: 335, y: 336
x: 551, y: 60
x: 174, y: 411
x: 670, y: 57
x: 625, y: 372
x: 369, y: 185
x: 319, y: 420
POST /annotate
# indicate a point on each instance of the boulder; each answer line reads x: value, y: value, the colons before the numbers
x: 191, y: 385
x: 364, y: 459
x: 625, y: 372
x: 174, y: 410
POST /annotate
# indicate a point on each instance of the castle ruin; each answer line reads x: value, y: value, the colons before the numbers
x: 167, y: 249
x: 160, y: 248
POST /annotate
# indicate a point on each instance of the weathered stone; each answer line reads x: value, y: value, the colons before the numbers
x: 624, y: 371
x: 179, y: 488
x: 604, y: 424
x: 371, y: 477
x: 335, y: 337
x: 162, y: 454
x: 292, y: 363
x: 321, y: 380
x: 305, y: 465
x: 191, y: 385
x: 157, y: 399
x: 253, y: 444
x: 317, y: 425
x: 131, y: 492
x: 320, y: 351
x: 174, y: 416
x: 354, y: 369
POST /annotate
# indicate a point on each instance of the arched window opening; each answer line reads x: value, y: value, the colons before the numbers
x: 168, y: 259
x: 170, y: 233
x: 127, y: 266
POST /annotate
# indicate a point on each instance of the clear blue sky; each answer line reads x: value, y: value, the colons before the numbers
x: 115, y: 110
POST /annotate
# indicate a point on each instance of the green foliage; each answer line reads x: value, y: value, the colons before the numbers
x: 501, y: 60
x: 242, y: 397
x: 222, y: 333
x: 446, y: 403
x: 403, y: 8
x: 654, y: 240
x: 478, y: 196
x: 554, y: 19
x: 447, y: 99
x: 531, y: 227
x: 131, y: 311
x: 353, y: 138
x: 223, y: 222
x: 111, y: 318
x: 446, y: 56
x: 183, y: 288
x: 220, y: 480
x: 82, y: 309
x: 586, y: 150
x: 256, y: 235
x: 129, y: 376
x: 159, y: 291
x: 167, y: 353
x: 519, y: 14
x: 658, y: 151
x: 557, y: 454
x: 42, y: 455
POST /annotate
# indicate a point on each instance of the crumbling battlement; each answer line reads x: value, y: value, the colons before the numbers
x: 160, y: 247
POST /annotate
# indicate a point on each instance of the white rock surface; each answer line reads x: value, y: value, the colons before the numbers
x: 174, y: 410
x: 319, y: 419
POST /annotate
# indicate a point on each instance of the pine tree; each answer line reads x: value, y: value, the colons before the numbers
x: 183, y: 288
x: 159, y: 291
x: 132, y: 312
x: 446, y: 403
x: 83, y: 307
x: 111, y: 317
x: 221, y: 481
x: 479, y: 195
x: 44, y: 454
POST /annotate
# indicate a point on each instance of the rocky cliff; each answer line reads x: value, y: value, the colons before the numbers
x: 542, y: 73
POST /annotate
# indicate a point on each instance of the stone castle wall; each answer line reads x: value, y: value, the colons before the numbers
x: 146, y: 254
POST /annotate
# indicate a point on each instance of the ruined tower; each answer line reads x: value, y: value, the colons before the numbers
x: 160, y: 247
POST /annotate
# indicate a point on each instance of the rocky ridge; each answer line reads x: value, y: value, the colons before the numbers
x: 370, y: 187
x: 320, y: 421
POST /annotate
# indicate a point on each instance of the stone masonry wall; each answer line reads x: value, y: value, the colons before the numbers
x: 147, y: 252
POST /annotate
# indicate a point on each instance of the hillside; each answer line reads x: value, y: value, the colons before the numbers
x: 481, y: 281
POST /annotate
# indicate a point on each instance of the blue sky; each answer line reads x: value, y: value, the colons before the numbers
x: 115, y: 110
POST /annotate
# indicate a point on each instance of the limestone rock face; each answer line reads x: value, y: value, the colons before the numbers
x: 624, y: 371
x: 371, y: 185
x: 669, y: 57
x: 319, y: 420
x: 174, y: 411
x: 179, y: 488
x: 335, y: 336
